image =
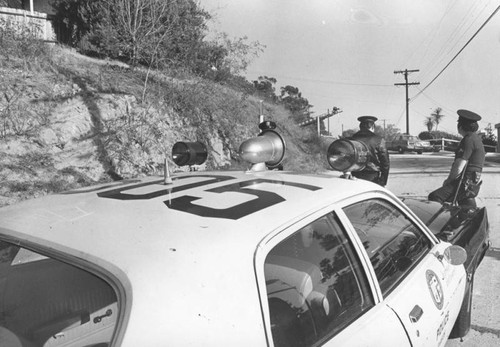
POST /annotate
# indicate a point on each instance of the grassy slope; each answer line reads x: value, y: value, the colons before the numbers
x: 71, y: 121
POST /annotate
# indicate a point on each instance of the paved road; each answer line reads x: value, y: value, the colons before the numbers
x: 416, y: 176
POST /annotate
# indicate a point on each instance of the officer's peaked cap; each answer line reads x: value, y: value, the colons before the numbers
x: 367, y: 119
x: 468, y: 116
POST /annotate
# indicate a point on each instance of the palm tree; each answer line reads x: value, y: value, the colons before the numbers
x: 429, y: 123
x: 436, y: 116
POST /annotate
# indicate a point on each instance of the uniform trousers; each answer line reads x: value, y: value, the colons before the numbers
x: 468, y: 190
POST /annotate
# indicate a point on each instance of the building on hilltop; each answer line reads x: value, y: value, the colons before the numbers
x: 36, y: 15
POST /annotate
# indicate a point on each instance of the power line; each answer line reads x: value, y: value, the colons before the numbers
x: 438, y: 103
x: 451, y: 42
x: 456, y: 55
x: 433, y: 37
x: 440, y: 57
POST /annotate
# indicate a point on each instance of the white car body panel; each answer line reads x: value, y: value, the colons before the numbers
x: 171, y: 267
x: 439, y: 298
x: 380, y: 324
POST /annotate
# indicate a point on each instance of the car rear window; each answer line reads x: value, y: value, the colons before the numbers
x: 47, y: 302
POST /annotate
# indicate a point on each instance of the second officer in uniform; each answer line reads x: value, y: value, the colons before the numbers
x: 377, y: 167
x: 464, y: 178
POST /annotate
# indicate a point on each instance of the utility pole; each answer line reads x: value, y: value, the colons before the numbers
x: 406, y: 72
x: 319, y: 118
x: 383, y: 120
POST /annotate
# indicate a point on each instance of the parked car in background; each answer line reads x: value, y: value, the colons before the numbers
x: 262, y: 257
x: 408, y: 143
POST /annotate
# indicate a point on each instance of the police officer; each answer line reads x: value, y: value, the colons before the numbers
x: 464, y: 179
x: 377, y: 167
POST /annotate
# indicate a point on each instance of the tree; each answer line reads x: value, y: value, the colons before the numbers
x: 75, y: 19
x: 147, y: 32
x: 239, y: 53
x: 437, y: 116
x: 489, y: 137
x: 429, y: 123
x: 389, y: 132
x: 292, y: 99
x: 265, y: 87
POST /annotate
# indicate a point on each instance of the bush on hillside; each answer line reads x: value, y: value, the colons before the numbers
x: 143, y: 32
x: 21, y: 55
x: 157, y: 34
x: 20, y: 44
x: 425, y: 135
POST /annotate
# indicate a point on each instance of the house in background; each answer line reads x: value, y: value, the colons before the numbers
x: 35, y: 15
x: 42, y: 6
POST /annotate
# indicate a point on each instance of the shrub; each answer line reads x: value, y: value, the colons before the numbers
x: 425, y: 135
x: 20, y: 41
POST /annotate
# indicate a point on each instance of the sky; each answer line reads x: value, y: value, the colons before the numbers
x: 344, y: 53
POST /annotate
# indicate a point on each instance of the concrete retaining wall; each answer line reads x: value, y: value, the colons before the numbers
x: 37, y: 22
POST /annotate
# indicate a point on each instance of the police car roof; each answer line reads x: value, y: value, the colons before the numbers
x: 144, y: 231
x: 119, y: 225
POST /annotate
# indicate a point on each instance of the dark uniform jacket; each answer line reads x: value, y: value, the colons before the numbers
x: 378, y: 157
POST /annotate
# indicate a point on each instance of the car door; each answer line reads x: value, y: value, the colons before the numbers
x: 414, y: 279
x: 318, y: 292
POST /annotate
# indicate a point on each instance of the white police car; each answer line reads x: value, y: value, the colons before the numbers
x: 256, y: 258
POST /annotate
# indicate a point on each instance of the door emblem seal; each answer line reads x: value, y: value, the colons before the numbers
x: 435, y: 288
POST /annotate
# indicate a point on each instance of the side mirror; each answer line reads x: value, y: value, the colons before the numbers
x: 455, y: 255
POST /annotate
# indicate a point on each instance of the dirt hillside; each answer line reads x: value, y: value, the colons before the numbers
x: 78, y: 121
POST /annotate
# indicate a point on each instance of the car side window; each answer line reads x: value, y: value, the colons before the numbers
x: 46, y: 302
x: 393, y: 242
x: 315, y: 284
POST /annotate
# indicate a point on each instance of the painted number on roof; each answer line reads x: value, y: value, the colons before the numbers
x: 119, y: 193
x: 263, y: 199
x: 184, y: 203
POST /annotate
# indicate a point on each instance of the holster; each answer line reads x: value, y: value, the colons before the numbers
x: 470, y: 185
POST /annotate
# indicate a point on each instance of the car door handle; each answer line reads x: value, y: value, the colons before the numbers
x: 416, y: 313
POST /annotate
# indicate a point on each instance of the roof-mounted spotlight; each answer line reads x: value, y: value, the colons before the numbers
x: 189, y: 153
x: 347, y: 155
x: 265, y: 150
x: 267, y: 125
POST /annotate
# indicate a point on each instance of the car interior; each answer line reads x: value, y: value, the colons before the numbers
x: 313, y: 288
x: 46, y: 302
